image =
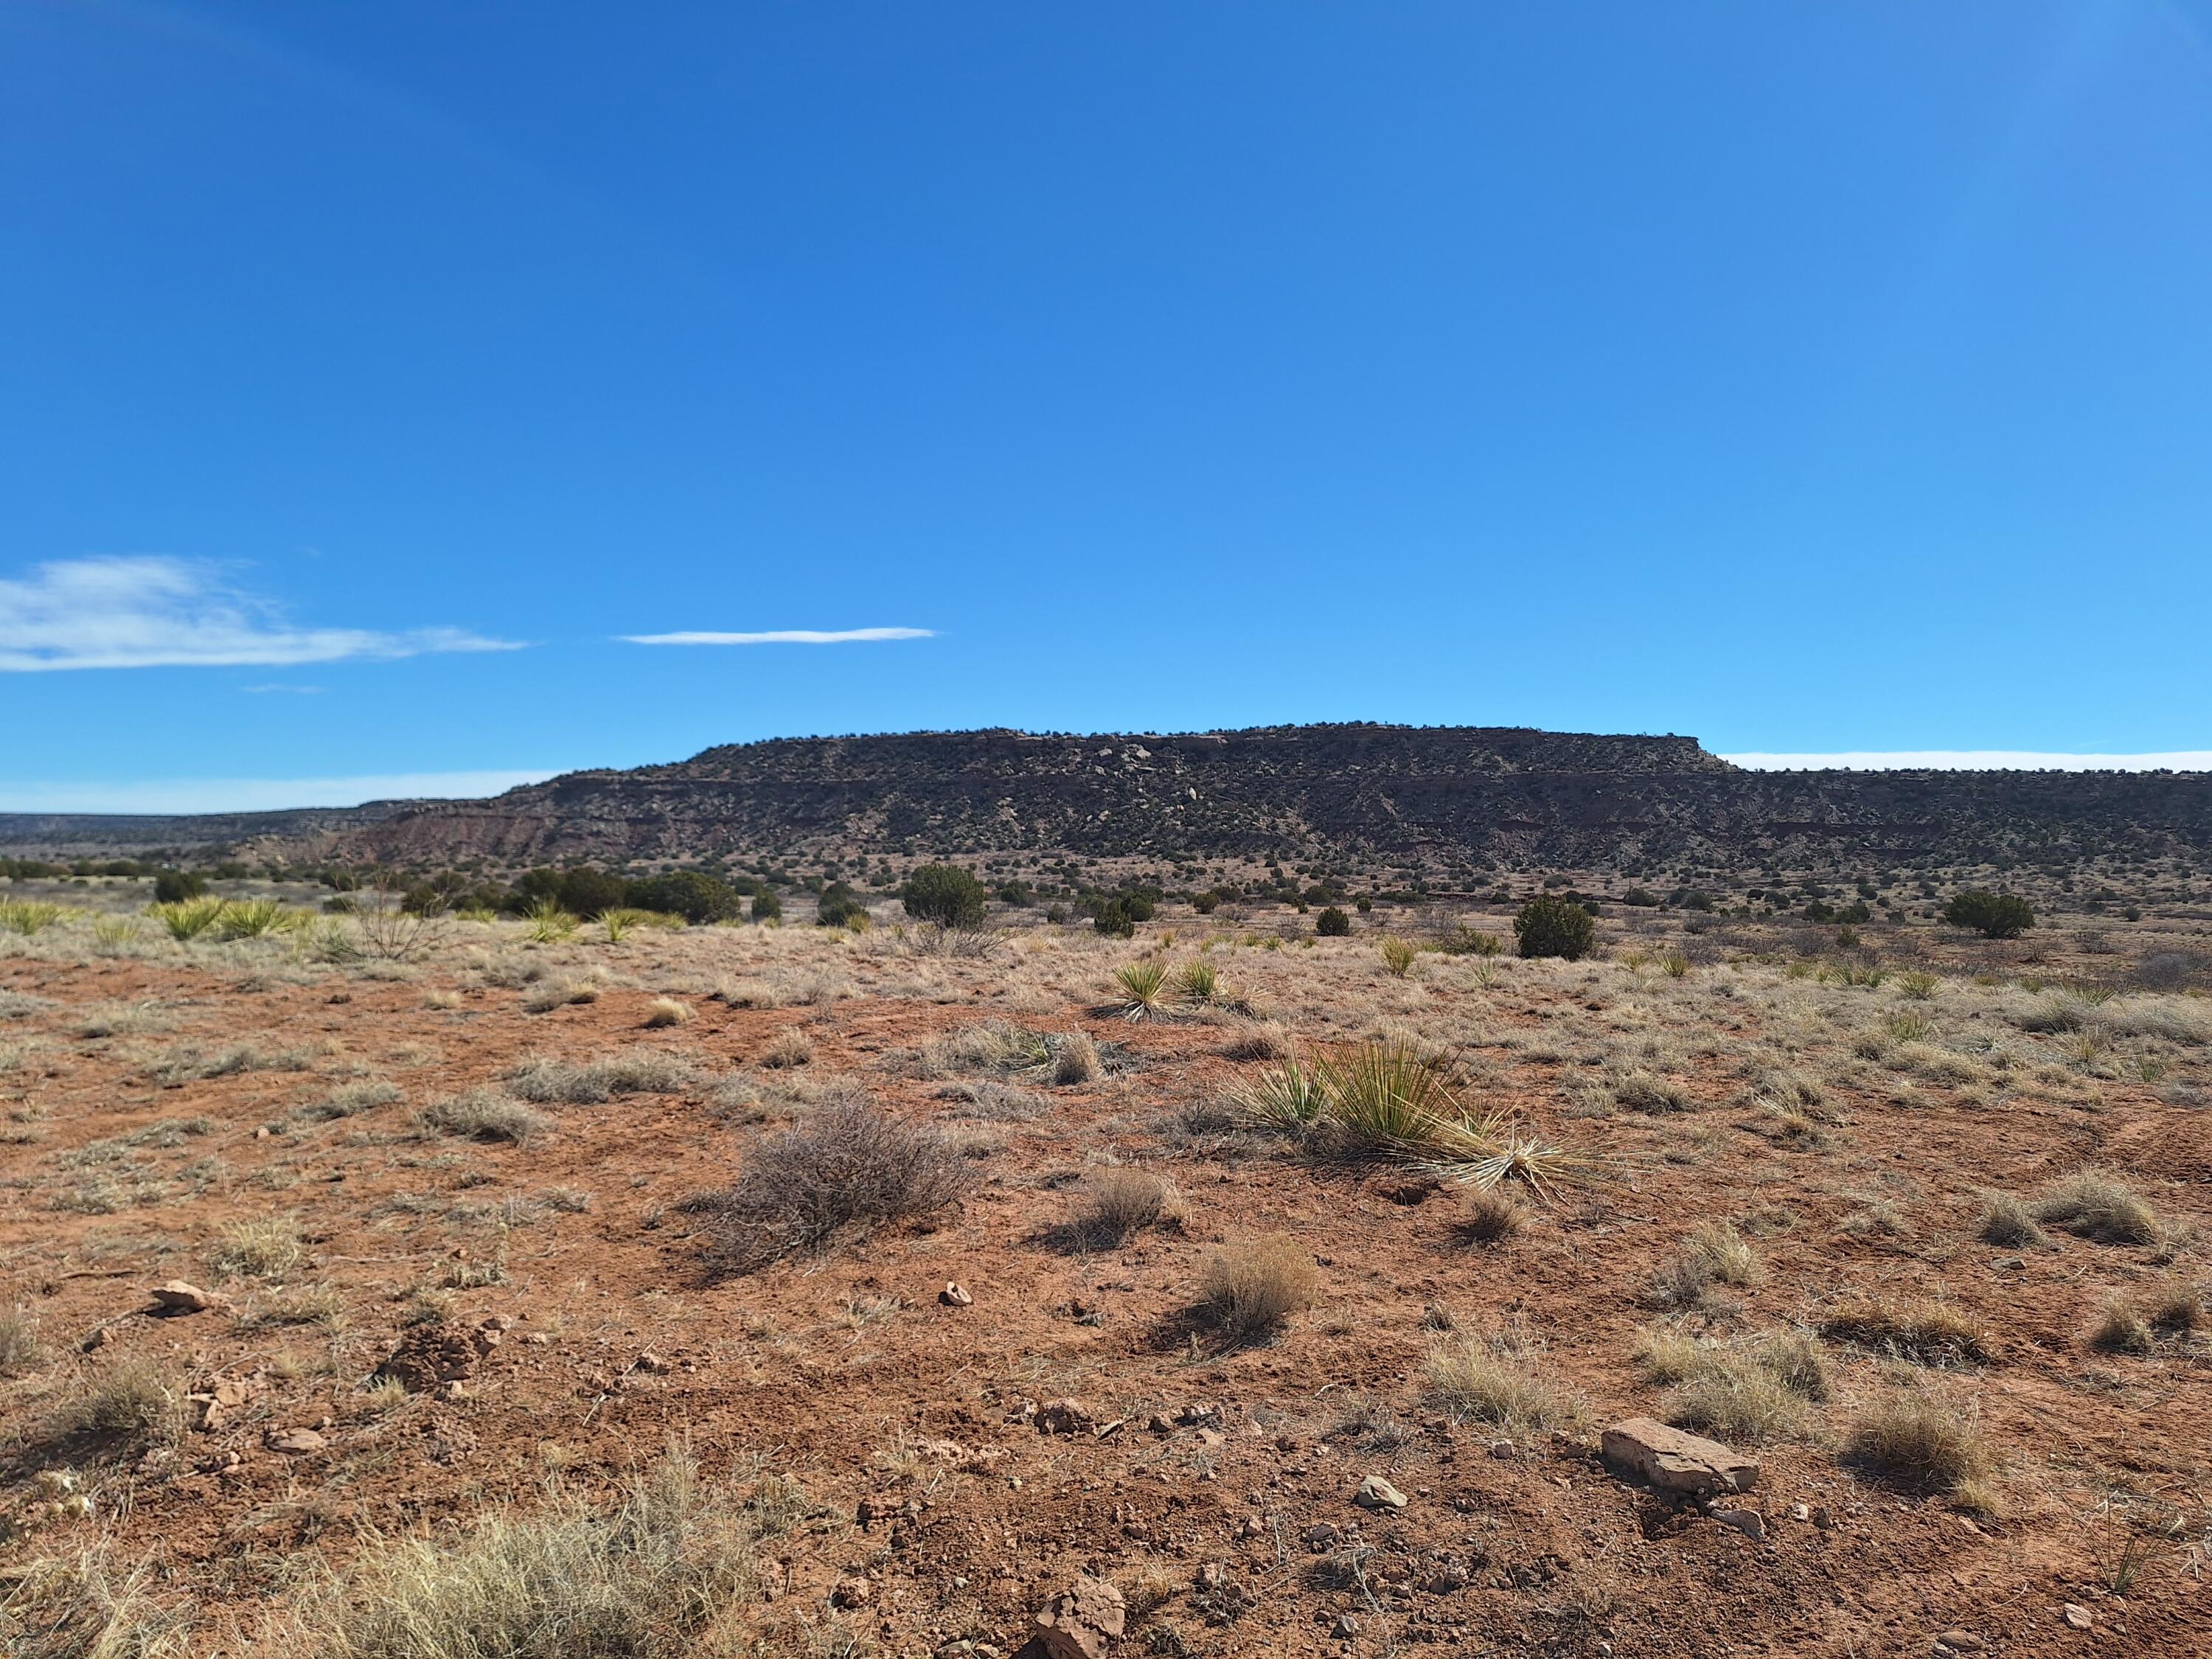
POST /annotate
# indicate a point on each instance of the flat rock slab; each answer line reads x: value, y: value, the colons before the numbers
x: 1675, y: 1461
x: 1078, y: 1622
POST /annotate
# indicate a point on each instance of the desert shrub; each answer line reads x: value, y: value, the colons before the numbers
x: 2092, y: 1204
x: 2005, y: 1222
x: 1333, y: 923
x: 1075, y: 1059
x: 485, y: 1114
x: 19, y: 1340
x: 837, y: 905
x: 1918, y: 985
x: 1739, y: 1391
x: 545, y: 1080
x: 1465, y: 941
x: 187, y: 919
x: 548, y: 921
x: 1494, y: 1380
x: 1552, y: 926
x: 1252, y: 1288
x: 2122, y: 1328
x: 259, y: 1247
x: 664, y: 1012
x: 1641, y: 1092
x: 1384, y: 1097
x: 645, y: 1581
x: 1398, y: 957
x: 175, y: 886
x: 696, y: 897
x: 131, y: 1399
x: 29, y: 917
x: 847, y: 1169
x: 1489, y: 1214
x: 1120, y: 1202
x: 1143, y: 985
x: 1922, y: 1329
x: 1919, y: 1439
x: 768, y: 905
x: 945, y: 895
x: 991, y: 1045
x: 1114, y: 918
x: 548, y: 994
x: 1206, y: 903
x: 1994, y: 915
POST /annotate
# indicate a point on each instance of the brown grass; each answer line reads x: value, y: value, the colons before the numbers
x: 1918, y: 1439
x: 1496, y: 1381
x: 1489, y: 1214
x: 485, y: 1115
x: 1119, y: 1203
x: 1922, y: 1329
x: 1252, y: 1288
x: 2092, y: 1204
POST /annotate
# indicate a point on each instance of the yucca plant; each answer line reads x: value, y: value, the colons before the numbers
x: 547, y: 923
x: 116, y: 932
x: 253, y: 919
x: 1198, y: 982
x: 28, y: 916
x: 1386, y: 1096
x: 187, y: 919
x: 1918, y: 986
x: 1288, y: 1098
x: 620, y: 924
x: 1398, y: 956
x: 1488, y: 1150
x: 1142, y: 984
x: 1674, y: 965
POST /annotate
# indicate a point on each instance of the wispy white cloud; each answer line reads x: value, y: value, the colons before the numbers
x: 255, y: 794
x: 150, y: 611
x: 1979, y: 760
x: 787, y: 636
x: 287, y: 691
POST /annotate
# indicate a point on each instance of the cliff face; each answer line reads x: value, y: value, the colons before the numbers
x: 1417, y: 795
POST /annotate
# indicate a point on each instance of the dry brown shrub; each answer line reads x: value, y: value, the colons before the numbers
x: 1075, y: 1060
x: 2092, y: 1204
x: 1918, y: 1439
x: 1489, y: 1214
x: 664, y: 1012
x: 1922, y: 1329
x: 1252, y: 1288
x: 788, y: 1048
x: 1120, y: 1202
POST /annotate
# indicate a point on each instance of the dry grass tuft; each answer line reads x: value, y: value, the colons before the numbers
x: 664, y: 1012
x: 1753, y: 1391
x: 1918, y: 1439
x: 1489, y: 1214
x: 78, y: 1606
x: 545, y: 1081
x: 260, y: 1247
x: 1252, y: 1288
x: 2007, y: 1224
x: 1075, y: 1060
x: 2092, y: 1204
x: 847, y: 1169
x: 1922, y: 1329
x: 1495, y: 1381
x: 647, y: 1582
x: 1121, y: 1202
x: 485, y: 1115
x: 19, y: 1340
x: 787, y: 1050
x: 131, y: 1399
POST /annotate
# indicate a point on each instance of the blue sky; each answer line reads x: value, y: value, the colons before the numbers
x: 1810, y: 379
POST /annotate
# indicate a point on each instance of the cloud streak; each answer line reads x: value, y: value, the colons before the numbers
x: 1977, y: 760
x: 151, y: 611
x: 787, y: 636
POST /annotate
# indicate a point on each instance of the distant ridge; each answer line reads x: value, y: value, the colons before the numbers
x: 1425, y: 799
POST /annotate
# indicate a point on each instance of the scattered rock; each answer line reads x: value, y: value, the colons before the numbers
x: 1800, y: 1512
x: 653, y: 1362
x: 1079, y: 1622
x: 1676, y: 1461
x: 431, y: 1359
x: 1064, y: 1417
x: 1321, y: 1536
x: 1377, y: 1494
x: 178, y: 1298
x: 852, y: 1593
x: 1346, y: 1627
x: 1504, y: 1450
x: 296, y: 1443
x: 1959, y: 1641
x: 956, y: 1295
x: 1750, y: 1522
x: 2077, y: 1615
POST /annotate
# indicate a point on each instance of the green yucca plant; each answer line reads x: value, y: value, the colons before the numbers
x: 547, y: 922
x: 620, y: 923
x: 1398, y: 956
x: 1142, y: 984
x: 1918, y: 986
x: 1198, y: 982
x: 1386, y: 1096
x: 28, y: 916
x: 116, y: 932
x: 1288, y: 1097
x: 254, y: 918
x: 187, y: 919
x: 1490, y: 1149
x: 1674, y: 965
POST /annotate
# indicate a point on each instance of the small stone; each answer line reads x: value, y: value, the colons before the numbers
x: 2077, y: 1615
x: 1750, y: 1522
x: 1320, y: 1535
x: 1079, y: 1622
x: 1377, y: 1494
x: 1960, y: 1641
x: 1064, y: 1417
x: 296, y: 1443
x: 1502, y: 1450
x: 178, y: 1297
x: 1676, y: 1461
x: 852, y: 1593
x: 956, y: 1295
x: 1800, y: 1512
x: 1346, y: 1627
x: 650, y: 1361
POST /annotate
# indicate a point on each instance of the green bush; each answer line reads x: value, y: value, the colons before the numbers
x: 697, y: 897
x: 838, y: 905
x: 1333, y: 923
x: 175, y: 886
x: 1555, y: 927
x: 1112, y: 918
x: 1015, y: 894
x: 1996, y: 916
x: 946, y: 894
x: 766, y: 907
x: 584, y: 891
